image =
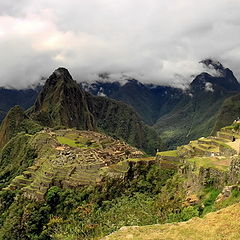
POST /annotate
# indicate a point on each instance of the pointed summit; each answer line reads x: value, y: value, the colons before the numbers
x: 217, y: 76
x: 62, y: 102
x: 60, y: 74
x: 210, y: 63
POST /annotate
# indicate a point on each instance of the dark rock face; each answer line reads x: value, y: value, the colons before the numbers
x: 226, y: 81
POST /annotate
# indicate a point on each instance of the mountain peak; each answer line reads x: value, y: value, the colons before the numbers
x: 217, y: 75
x: 62, y: 102
x: 60, y: 74
x: 61, y: 71
x: 212, y: 64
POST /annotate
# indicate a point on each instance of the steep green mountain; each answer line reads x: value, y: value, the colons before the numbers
x: 139, y: 96
x: 16, y: 121
x: 149, y: 101
x: 10, y: 124
x: 196, y: 112
x: 177, y: 115
x: 62, y: 102
x: 119, y: 120
x: 229, y: 111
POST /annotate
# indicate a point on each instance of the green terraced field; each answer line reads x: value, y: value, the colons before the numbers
x: 168, y: 153
x: 208, y: 162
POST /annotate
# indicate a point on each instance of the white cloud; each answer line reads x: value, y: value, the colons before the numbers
x: 155, y: 41
x: 209, y: 87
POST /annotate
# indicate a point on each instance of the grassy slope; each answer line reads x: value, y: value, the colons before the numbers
x: 223, y: 224
x: 229, y: 111
x: 190, y: 119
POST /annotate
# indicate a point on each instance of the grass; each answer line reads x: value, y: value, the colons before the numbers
x: 120, y: 167
x: 172, y: 153
x: 77, y: 142
x: 207, y: 162
x: 228, y: 127
x: 230, y: 134
x: 68, y: 141
x: 141, y: 159
x: 209, y: 141
x: 223, y: 224
x: 234, y: 198
x: 198, y: 146
x: 222, y: 144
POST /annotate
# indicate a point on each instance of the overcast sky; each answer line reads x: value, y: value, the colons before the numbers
x: 158, y: 41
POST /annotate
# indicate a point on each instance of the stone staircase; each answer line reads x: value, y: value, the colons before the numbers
x: 83, y: 175
x: 40, y: 183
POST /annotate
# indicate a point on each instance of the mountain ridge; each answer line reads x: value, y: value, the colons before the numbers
x: 62, y: 102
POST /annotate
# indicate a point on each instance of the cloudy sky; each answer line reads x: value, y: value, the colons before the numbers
x: 158, y: 41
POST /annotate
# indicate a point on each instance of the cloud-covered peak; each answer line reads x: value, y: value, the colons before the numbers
x: 211, y: 63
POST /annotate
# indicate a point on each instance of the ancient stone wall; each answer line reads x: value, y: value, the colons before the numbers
x: 227, y: 151
x: 234, y: 175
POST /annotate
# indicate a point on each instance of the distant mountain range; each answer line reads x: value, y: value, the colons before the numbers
x: 11, y: 97
x: 177, y: 115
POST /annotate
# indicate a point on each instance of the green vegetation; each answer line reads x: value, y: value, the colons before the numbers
x: 71, y: 186
x: 92, y: 211
x: 168, y: 153
x: 136, y: 191
x: 16, y: 156
x: 234, y: 198
x: 208, y: 198
x: 63, y: 103
x: 223, y: 224
x: 190, y: 118
x: 207, y: 162
x: 228, y: 113
x: 76, y: 142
